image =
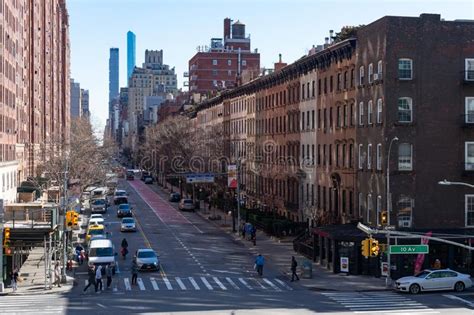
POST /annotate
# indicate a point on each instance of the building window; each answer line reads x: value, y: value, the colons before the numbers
x: 379, y: 111
x: 244, y: 63
x: 352, y: 77
x: 312, y: 88
x: 339, y: 81
x: 370, y: 73
x: 469, y: 206
x: 469, y: 156
x: 361, y: 156
x: 369, y: 207
x: 369, y: 156
x: 229, y: 73
x: 405, y: 69
x: 405, y: 110
x: 214, y: 62
x: 405, y: 207
x: 469, y: 69
x: 379, y: 208
x: 379, y: 156
x: 379, y: 69
x: 361, y: 75
x: 405, y: 157
x: 312, y: 119
x: 370, y: 111
x: 361, y: 113
x: 214, y: 72
x: 361, y: 204
x: 229, y: 62
x: 469, y: 110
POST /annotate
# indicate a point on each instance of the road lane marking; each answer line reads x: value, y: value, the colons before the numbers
x: 140, y: 284
x: 168, y: 283
x: 454, y: 297
x: 271, y: 284
x: 245, y: 283
x: 401, y: 311
x: 147, y: 242
x: 180, y: 283
x: 219, y: 283
x: 232, y: 283
x: 154, y: 284
x: 207, y: 284
x: 127, y: 284
x: 194, y: 283
x: 259, y: 283
x: 283, y: 284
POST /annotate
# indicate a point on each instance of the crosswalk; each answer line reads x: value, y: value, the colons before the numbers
x: 33, y: 304
x: 379, y: 303
x: 210, y: 283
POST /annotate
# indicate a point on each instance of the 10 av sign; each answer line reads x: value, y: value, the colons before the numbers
x: 409, y: 249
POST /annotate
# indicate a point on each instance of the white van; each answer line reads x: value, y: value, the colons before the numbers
x: 102, y: 252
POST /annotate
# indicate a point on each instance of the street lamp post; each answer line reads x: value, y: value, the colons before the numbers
x: 448, y: 183
x: 388, y: 197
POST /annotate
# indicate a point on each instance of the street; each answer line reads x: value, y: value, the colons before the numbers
x: 204, y: 270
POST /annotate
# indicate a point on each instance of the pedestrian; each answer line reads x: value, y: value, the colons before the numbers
x: 253, y: 235
x: 437, y: 264
x: 98, y: 279
x: 57, y: 274
x: 124, y: 248
x: 134, y: 271
x: 243, y: 231
x: 14, y: 279
x: 79, y: 250
x: 91, y: 275
x: 108, y: 273
x: 294, y: 264
x: 259, y: 262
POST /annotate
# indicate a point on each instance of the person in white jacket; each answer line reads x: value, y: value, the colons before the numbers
x: 98, y: 279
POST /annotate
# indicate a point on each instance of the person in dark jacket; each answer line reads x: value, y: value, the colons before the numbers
x: 91, y: 276
x: 294, y: 264
x: 134, y: 271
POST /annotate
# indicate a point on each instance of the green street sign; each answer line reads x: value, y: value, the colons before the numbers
x: 409, y: 249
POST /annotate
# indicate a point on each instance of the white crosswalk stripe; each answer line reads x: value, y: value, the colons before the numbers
x: 373, y: 302
x: 180, y: 283
x: 194, y: 283
x: 206, y: 283
x: 211, y: 283
x: 154, y: 284
x: 34, y: 304
x: 140, y: 284
x: 168, y: 283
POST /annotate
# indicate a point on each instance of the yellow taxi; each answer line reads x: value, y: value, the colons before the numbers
x: 94, y: 230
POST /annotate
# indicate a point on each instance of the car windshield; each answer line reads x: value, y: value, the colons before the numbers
x: 96, y: 216
x: 96, y: 232
x: 146, y: 254
x: 98, y: 202
x: 188, y: 201
x: 124, y: 206
x: 423, y: 274
x: 101, y: 252
x: 120, y: 193
x: 128, y: 220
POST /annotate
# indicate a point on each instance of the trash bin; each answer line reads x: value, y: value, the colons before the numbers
x: 307, y: 270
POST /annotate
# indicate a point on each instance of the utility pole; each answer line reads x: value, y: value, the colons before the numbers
x: 389, y: 272
x: 238, y: 193
x: 65, y: 202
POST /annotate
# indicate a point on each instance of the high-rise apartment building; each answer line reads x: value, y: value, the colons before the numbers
x: 113, y: 77
x: 131, y: 53
x: 76, y: 99
x: 222, y: 65
x: 85, y: 103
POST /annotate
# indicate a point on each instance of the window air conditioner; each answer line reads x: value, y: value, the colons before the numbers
x: 376, y: 76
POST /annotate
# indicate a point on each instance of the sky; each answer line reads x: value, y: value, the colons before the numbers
x: 289, y: 27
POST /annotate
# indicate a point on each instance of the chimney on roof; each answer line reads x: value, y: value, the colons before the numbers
x: 331, y: 32
x: 227, y: 22
x: 279, y: 65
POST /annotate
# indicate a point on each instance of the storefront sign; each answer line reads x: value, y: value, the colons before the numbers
x: 384, y: 269
x: 344, y: 264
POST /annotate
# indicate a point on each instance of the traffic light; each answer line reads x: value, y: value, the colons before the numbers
x: 75, y: 219
x: 69, y: 216
x: 6, y: 238
x: 374, y: 247
x: 383, y: 218
x: 365, y: 248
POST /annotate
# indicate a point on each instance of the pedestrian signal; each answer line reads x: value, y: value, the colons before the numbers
x: 374, y: 247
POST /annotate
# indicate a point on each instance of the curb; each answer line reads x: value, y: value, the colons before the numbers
x: 64, y: 289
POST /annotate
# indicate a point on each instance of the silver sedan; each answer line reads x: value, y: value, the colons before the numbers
x: 434, y: 280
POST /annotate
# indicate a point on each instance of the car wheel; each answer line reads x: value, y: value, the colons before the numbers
x: 414, y: 289
x: 459, y: 286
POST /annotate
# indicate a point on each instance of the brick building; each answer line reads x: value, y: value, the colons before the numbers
x: 221, y: 65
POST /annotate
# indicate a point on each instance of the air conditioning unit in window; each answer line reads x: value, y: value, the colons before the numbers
x: 376, y: 76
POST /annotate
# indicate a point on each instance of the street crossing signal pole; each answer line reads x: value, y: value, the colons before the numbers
x: 238, y: 194
x: 65, y: 202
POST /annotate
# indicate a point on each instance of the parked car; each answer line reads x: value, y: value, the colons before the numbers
x: 99, y: 205
x: 128, y: 225
x: 124, y: 210
x: 96, y: 215
x: 145, y: 174
x: 174, y: 197
x: 186, y: 204
x: 148, y: 180
x: 147, y: 259
x: 434, y: 280
x: 120, y: 193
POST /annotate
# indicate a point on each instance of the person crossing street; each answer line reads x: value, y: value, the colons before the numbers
x: 294, y: 264
x: 108, y: 273
x: 98, y: 279
x: 91, y: 275
x: 259, y: 262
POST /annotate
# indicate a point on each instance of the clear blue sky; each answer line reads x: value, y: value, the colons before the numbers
x: 289, y: 27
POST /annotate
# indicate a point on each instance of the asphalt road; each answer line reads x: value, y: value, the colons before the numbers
x: 205, y: 271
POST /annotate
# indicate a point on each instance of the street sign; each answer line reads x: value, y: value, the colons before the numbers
x: 409, y: 249
x: 199, y: 178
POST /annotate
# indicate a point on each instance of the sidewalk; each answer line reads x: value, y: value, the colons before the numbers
x: 278, y: 252
x: 32, y: 275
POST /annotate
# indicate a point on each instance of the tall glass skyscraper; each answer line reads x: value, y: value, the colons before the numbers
x: 113, y: 77
x: 131, y: 53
